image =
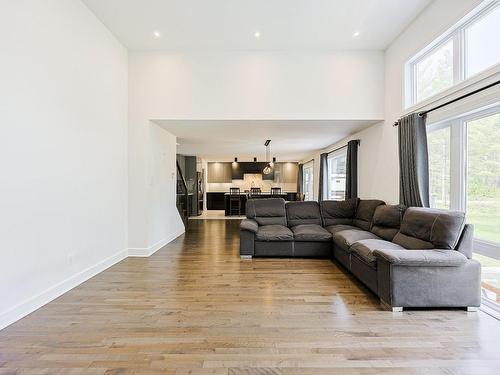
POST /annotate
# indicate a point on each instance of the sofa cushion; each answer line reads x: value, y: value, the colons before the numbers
x: 340, y: 227
x: 364, y: 213
x: 311, y: 232
x: 303, y: 213
x: 364, y: 249
x: 426, y: 228
x: 344, y: 239
x: 274, y: 233
x: 270, y: 211
x: 338, y: 212
x: 387, y: 220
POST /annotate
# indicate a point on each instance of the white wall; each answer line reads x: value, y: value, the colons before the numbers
x: 165, y: 224
x: 233, y: 85
x: 63, y: 145
x: 378, y: 152
x: 258, y: 85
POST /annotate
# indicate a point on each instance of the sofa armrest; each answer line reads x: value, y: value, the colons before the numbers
x: 249, y: 225
x: 422, y: 258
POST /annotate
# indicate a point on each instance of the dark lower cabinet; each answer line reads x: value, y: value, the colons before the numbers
x: 243, y: 202
x: 220, y: 201
x: 215, y: 201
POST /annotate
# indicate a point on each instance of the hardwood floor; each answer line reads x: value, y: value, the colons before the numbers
x: 195, y: 308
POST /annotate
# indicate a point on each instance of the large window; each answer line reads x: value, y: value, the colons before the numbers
x: 483, y: 176
x: 469, y: 48
x: 464, y: 171
x: 308, y: 181
x: 337, y: 174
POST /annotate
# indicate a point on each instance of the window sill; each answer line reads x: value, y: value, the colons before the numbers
x: 490, y: 308
x: 479, y: 80
x: 486, y: 248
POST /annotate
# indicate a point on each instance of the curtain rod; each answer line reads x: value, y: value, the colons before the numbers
x: 423, y: 113
x: 340, y: 148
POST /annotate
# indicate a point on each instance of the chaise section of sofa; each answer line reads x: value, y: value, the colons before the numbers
x: 434, y: 268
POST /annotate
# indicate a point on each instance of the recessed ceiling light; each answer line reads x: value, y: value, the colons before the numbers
x: 156, y: 34
x: 356, y: 34
x: 257, y: 34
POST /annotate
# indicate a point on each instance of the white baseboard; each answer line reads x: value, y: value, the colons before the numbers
x: 28, y: 306
x: 148, y: 251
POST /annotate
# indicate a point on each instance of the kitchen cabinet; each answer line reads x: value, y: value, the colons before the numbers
x: 219, y: 172
x: 215, y: 201
x: 237, y: 171
x: 285, y: 172
x: 289, y: 172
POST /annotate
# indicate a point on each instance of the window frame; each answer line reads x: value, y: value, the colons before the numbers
x: 458, y: 35
x: 458, y: 180
x: 342, y: 151
x: 308, y: 165
x: 458, y: 167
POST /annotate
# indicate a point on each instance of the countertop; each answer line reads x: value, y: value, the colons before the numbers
x: 263, y: 193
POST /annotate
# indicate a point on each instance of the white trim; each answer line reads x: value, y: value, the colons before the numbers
x: 458, y: 158
x: 456, y: 33
x: 490, y: 308
x: 335, y: 154
x: 480, y: 80
x: 487, y: 248
x: 148, y: 251
x: 34, y: 303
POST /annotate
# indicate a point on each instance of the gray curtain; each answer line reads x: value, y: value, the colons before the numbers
x: 323, y: 177
x: 300, y: 179
x: 351, y: 181
x: 413, y: 161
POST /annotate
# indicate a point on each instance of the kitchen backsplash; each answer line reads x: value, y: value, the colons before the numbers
x: 251, y: 180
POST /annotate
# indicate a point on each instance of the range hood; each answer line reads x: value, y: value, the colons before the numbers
x: 252, y: 167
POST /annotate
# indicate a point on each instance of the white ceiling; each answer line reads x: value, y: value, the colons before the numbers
x: 291, y: 140
x: 231, y: 24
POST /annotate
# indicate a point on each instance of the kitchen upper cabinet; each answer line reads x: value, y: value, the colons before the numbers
x: 219, y: 172
x: 289, y: 172
x: 237, y: 171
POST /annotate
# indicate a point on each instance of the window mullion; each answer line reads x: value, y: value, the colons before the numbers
x: 458, y: 165
x: 459, y: 55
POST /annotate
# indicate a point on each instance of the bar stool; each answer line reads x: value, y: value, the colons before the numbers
x: 275, y: 191
x: 234, y: 201
x: 255, y: 192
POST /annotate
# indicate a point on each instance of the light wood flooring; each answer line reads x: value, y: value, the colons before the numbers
x: 195, y: 308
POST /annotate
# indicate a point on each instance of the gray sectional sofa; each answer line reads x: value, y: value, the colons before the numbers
x: 414, y: 257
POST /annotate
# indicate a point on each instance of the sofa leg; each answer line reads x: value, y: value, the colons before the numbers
x: 472, y: 309
x: 245, y: 257
x: 387, y: 306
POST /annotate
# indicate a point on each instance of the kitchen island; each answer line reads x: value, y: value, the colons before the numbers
x: 244, y: 196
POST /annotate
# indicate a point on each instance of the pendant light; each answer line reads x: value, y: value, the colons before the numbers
x: 268, y: 169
